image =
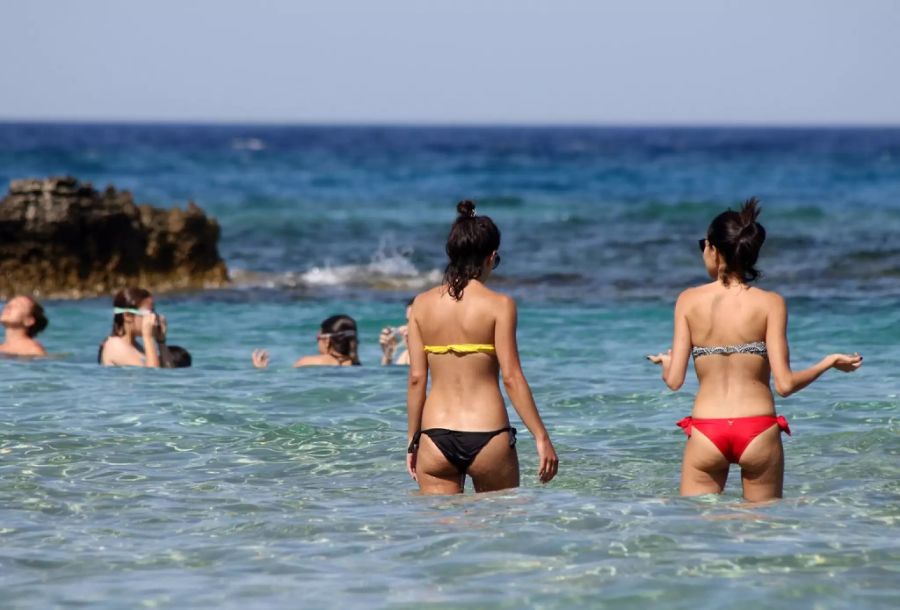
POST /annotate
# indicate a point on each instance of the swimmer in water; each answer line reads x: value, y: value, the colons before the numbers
x: 737, y: 336
x: 463, y: 334
x: 389, y: 339
x: 23, y: 319
x: 134, y: 317
x: 337, y: 341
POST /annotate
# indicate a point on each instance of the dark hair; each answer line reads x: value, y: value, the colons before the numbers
x: 738, y: 238
x: 341, y: 331
x: 130, y: 298
x: 181, y: 358
x: 472, y: 239
x: 40, y: 319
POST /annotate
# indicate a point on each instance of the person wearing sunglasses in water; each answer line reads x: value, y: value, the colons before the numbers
x: 133, y: 318
x: 337, y: 341
x: 737, y: 336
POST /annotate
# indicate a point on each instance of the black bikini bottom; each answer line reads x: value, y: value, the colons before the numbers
x: 460, y: 448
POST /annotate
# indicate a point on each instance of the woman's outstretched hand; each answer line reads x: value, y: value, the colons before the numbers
x: 663, y: 358
x: 549, y: 463
x: 260, y: 358
x: 847, y: 362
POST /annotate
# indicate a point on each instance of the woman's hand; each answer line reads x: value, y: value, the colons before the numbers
x: 148, y: 324
x: 663, y: 358
x: 160, y: 329
x: 260, y: 358
x: 846, y: 362
x: 411, y: 465
x: 388, y: 342
x: 549, y: 463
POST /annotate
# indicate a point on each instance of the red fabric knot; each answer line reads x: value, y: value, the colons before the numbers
x: 685, y: 424
x: 783, y: 424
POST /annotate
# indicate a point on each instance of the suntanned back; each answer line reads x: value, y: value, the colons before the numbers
x: 464, y: 391
x: 735, y: 384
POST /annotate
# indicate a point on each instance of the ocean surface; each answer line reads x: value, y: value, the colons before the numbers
x: 223, y: 486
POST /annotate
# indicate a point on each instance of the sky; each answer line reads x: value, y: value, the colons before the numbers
x: 628, y: 62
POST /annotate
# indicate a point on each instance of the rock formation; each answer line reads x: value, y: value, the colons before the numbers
x: 62, y: 238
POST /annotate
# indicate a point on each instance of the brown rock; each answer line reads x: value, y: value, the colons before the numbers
x: 61, y: 238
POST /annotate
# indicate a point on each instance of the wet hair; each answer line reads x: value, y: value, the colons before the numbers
x: 130, y: 298
x: 342, y: 334
x: 181, y: 358
x: 738, y: 238
x: 40, y: 319
x: 472, y: 239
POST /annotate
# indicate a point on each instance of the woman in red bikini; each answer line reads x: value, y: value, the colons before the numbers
x: 737, y: 337
x: 464, y: 335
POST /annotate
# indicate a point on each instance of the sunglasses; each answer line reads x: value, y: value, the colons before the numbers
x: 702, y: 243
x: 496, y: 261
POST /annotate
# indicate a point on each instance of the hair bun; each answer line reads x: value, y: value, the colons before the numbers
x: 750, y: 212
x: 466, y: 209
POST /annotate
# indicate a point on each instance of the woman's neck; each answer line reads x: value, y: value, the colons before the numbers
x: 16, y: 335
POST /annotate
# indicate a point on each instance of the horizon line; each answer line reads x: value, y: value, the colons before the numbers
x: 447, y: 124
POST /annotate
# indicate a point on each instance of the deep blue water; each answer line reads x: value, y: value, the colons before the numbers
x: 226, y: 486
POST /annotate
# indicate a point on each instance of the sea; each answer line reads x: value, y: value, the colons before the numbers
x: 224, y: 486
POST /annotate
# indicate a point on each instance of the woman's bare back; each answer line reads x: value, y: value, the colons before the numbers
x: 736, y: 384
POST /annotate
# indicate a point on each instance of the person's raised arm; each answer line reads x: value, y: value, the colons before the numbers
x: 675, y: 361
x: 148, y: 330
x: 417, y: 380
x: 517, y: 387
x: 787, y: 381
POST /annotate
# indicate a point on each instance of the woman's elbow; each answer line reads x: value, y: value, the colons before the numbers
x: 674, y: 384
x: 416, y: 380
x: 513, y: 381
x: 783, y: 390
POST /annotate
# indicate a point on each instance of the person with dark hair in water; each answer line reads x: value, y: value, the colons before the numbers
x: 463, y: 335
x: 737, y: 335
x: 389, y: 339
x: 337, y: 340
x: 133, y: 317
x: 179, y: 357
x: 23, y: 319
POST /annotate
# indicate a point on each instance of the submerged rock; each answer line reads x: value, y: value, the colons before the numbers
x: 62, y: 238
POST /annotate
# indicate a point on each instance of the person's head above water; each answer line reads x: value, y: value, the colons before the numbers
x: 472, y: 248
x: 128, y: 305
x: 338, y: 338
x: 26, y: 313
x: 732, y: 244
x: 181, y: 358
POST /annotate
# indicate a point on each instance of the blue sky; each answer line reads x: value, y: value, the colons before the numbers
x: 460, y: 61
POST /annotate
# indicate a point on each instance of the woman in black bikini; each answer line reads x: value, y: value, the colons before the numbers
x: 737, y: 337
x: 464, y: 335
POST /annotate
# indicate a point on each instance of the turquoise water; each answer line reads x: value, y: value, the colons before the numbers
x: 225, y: 486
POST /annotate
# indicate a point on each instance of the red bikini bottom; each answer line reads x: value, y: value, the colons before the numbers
x: 731, y: 436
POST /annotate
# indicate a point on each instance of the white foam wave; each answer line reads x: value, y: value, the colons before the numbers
x: 387, y: 270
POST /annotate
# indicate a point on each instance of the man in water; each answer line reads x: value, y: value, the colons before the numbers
x: 23, y: 318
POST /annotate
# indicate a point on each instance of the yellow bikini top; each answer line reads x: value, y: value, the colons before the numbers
x: 461, y: 348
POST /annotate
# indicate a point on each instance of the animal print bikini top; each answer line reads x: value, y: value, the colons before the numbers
x: 756, y: 347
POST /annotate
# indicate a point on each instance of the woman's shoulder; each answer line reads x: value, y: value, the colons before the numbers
x: 769, y: 297
x: 314, y: 360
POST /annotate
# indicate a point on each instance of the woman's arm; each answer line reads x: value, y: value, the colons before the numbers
x: 417, y: 381
x: 787, y: 381
x: 675, y: 361
x: 148, y: 328
x: 517, y: 387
